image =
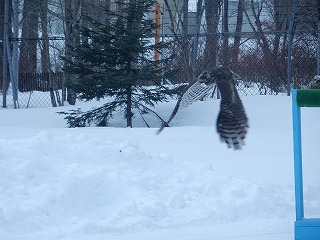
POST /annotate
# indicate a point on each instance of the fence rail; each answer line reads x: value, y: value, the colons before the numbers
x: 40, y: 81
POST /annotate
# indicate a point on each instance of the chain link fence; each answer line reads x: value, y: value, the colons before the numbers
x: 37, y: 69
x: 258, y: 72
x: 40, y: 76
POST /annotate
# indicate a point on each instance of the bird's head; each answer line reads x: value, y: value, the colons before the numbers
x: 218, y: 74
x: 204, y: 77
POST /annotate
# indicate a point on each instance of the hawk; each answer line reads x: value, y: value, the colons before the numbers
x: 232, y: 122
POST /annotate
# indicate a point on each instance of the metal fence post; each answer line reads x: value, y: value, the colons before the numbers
x: 195, y: 44
x: 15, y: 51
x: 289, y: 70
x: 5, y: 60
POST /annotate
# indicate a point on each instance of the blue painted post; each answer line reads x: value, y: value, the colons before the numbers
x: 296, y: 115
x: 304, y: 228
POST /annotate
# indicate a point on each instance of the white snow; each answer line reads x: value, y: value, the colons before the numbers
x: 118, y: 183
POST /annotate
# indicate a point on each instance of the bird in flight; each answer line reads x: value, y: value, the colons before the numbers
x: 232, y: 122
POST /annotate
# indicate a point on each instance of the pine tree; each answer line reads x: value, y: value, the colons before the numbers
x: 115, y: 61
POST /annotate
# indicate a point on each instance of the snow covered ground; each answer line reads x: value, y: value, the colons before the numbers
x: 118, y: 183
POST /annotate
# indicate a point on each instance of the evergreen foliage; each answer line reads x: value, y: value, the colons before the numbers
x: 115, y: 61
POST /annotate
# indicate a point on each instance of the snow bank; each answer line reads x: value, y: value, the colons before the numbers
x: 101, y: 183
x: 92, y: 185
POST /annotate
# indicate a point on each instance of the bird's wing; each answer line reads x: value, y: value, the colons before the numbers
x: 191, y: 94
x: 195, y: 92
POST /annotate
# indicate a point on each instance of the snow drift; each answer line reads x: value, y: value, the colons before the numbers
x: 121, y: 183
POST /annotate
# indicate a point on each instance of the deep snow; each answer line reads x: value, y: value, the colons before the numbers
x: 121, y: 183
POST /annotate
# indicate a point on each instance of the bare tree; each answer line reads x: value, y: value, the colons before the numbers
x: 281, y: 21
x: 179, y: 16
x: 199, y: 8
x: 172, y: 9
x: 194, y: 51
x: 225, y: 33
x: 1, y: 37
x: 73, y: 11
x: 213, y: 10
x: 273, y: 46
x: 278, y: 10
x: 29, y: 36
x: 237, y: 37
x: 185, y: 51
x: 307, y: 16
x: 257, y: 25
x: 45, y: 55
x: 76, y: 13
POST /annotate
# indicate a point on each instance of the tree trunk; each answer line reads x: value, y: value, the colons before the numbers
x: 1, y: 45
x: 129, y: 113
x: 272, y: 52
x: 73, y: 15
x: 282, y: 10
x: 263, y: 42
x: 171, y: 16
x: 237, y: 37
x: 225, y: 33
x: 45, y: 58
x: 194, y: 50
x: 28, y: 46
x: 178, y: 13
x: 2, y: 13
x: 184, y: 42
x: 212, y: 8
